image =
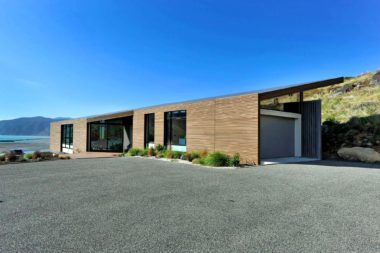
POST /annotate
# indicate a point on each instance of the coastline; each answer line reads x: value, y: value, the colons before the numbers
x: 26, y: 143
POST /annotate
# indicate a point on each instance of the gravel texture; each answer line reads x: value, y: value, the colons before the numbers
x: 144, y: 205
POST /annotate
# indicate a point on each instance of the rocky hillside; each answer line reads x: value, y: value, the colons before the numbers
x: 351, y: 113
x: 38, y: 126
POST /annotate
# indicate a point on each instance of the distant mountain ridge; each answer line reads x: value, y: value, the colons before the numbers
x: 38, y: 126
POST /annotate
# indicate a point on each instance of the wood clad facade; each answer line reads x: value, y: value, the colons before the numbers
x: 79, y: 134
x: 229, y: 124
x: 237, y: 127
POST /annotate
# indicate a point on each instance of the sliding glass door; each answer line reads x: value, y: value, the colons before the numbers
x: 106, y: 136
x: 115, y: 138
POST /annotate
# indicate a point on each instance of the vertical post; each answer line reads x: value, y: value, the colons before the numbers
x: 300, y: 102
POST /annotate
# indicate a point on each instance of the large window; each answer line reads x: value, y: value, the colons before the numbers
x: 67, y: 138
x: 149, y: 130
x: 175, y: 130
x: 106, y: 136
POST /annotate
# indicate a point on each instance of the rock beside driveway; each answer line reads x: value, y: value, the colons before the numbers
x: 367, y: 155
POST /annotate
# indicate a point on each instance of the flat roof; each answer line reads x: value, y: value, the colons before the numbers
x: 263, y: 94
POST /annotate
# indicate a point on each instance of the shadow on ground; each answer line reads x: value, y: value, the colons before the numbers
x: 340, y: 163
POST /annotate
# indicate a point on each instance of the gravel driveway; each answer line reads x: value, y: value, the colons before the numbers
x: 142, y: 205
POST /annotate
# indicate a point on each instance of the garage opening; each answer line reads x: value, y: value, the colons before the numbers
x: 290, y: 130
x: 280, y: 134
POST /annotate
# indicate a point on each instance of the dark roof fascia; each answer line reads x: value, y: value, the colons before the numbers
x: 272, y: 93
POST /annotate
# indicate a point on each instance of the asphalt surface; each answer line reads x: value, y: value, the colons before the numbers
x: 142, y: 205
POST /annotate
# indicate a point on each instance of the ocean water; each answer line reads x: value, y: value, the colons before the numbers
x: 13, y: 138
x: 26, y: 143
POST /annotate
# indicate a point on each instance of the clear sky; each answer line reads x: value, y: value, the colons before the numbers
x: 77, y: 58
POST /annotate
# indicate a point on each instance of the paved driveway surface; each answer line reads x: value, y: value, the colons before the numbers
x: 142, y: 205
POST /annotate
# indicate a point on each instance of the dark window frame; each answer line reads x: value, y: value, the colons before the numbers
x: 67, y: 135
x: 149, y: 121
x: 168, y: 127
x: 106, y: 124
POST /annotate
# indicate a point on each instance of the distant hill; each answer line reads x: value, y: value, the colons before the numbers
x: 356, y: 97
x: 38, y: 126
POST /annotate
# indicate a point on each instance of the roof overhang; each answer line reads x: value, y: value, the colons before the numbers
x: 115, y: 115
x: 298, y: 88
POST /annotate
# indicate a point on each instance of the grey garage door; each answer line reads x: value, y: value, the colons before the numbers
x: 276, y: 137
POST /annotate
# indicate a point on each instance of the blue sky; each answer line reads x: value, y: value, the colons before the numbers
x: 78, y: 58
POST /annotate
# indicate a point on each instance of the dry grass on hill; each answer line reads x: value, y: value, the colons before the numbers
x: 356, y: 97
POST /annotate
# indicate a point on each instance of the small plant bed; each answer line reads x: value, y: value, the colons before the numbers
x: 202, y: 158
x: 18, y: 156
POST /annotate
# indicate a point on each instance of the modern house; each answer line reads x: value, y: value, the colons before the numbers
x: 262, y: 125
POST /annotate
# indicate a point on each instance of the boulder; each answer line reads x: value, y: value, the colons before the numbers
x: 367, y: 155
x: 375, y: 80
x: 344, y: 89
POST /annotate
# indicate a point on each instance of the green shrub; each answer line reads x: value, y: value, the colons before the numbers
x: 151, y: 152
x: 145, y: 152
x: 135, y: 152
x: 64, y: 157
x: 159, y: 148
x: 235, y: 160
x: 188, y: 156
x: 46, y: 155
x: 28, y: 156
x: 195, y: 155
x: 2, y: 157
x: 217, y: 159
x: 168, y: 154
x: 12, y: 157
x: 199, y: 161
x: 36, y: 155
x: 177, y: 154
x: 196, y: 161
x: 203, y: 153
x: 160, y: 154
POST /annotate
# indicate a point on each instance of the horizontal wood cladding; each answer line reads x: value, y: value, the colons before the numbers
x: 237, y: 127
x: 138, y: 130
x: 79, y: 135
x: 224, y: 124
x: 159, y: 127
x: 199, y: 125
x: 55, y: 136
